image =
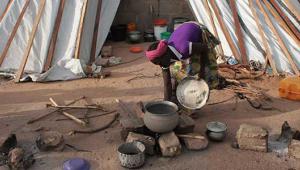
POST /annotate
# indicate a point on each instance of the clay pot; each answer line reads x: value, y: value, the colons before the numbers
x: 161, y: 116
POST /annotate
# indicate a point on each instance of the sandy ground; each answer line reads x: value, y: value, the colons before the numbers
x: 21, y: 102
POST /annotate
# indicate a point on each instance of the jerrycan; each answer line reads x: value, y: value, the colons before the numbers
x: 289, y: 88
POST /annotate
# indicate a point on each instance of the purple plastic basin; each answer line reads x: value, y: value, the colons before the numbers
x: 76, y: 164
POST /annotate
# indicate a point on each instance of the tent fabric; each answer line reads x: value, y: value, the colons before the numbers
x: 3, y: 5
x: 64, y: 66
x: 245, y: 13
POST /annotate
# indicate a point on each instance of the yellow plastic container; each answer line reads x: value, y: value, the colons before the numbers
x: 289, y: 88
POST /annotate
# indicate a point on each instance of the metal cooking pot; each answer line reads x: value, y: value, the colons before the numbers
x: 135, y: 36
x: 161, y: 116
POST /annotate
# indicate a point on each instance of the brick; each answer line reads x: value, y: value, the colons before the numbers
x: 195, y: 144
x: 186, y: 124
x: 294, y: 149
x: 148, y: 141
x: 253, y: 138
x: 169, y: 144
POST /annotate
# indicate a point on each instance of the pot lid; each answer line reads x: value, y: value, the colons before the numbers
x: 160, y: 22
x: 192, y: 93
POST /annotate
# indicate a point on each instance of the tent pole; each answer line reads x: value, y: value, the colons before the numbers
x: 95, y: 34
x: 290, y: 5
x: 280, y: 41
x: 206, y: 5
x: 54, y: 36
x: 6, y: 9
x: 14, y: 31
x: 264, y: 40
x: 280, y: 3
x: 285, y: 19
x: 225, y: 30
x: 80, y: 29
x: 280, y: 21
x: 238, y: 32
x: 31, y: 39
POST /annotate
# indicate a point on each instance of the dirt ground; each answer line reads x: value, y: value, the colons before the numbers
x: 21, y: 102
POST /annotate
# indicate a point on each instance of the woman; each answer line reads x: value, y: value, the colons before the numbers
x: 192, y: 46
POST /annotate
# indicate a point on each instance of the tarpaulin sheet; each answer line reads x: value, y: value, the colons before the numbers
x: 64, y: 66
x: 245, y: 13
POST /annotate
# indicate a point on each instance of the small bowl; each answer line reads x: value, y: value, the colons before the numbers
x: 132, y: 155
x: 216, y: 131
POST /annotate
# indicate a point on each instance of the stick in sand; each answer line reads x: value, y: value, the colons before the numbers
x: 75, y: 119
x: 56, y: 110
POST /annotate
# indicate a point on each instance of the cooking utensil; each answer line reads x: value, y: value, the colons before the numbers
x: 216, y: 130
x: 192, y: 93
x: 161, y: 116
x: 132, y: 155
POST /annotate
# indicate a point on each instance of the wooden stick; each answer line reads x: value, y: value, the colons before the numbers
x: 31, y: 39
x: 238, y: 32
x: 75, y: 107
x: 88, y: 117
x: 6, y: 9
x: 191, y: 136
x: 96, y: 129
x: 75, y: 119
x: 225, y: 30
x: 288, y: 22
x: 95, y: 34
x: 80, y: 29
x: 206, y: 5
x: 280, y: 41
x: 56, y: 110
x: 264, y: 40
x: 14, y: 31
x: 281, y: 22
x: 52, y: 46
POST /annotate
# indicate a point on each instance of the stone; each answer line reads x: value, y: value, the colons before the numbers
x: 107, y: 51
x: 130, y: 125
x: 169, y: 144
x: 253, y: 138
x: 130, y: 121
x: 294, y: 149
x: 104, y: 62
x: 185, y: 125
x: 50, y: 141
x: 195, y: 143
x: 148, y: 141
x: 16, y: 158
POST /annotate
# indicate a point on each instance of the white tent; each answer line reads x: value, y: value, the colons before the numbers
x: 249, y: 20
x: 67, y: 26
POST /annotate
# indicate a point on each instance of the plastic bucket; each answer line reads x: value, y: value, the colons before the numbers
x: 160, y: 26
